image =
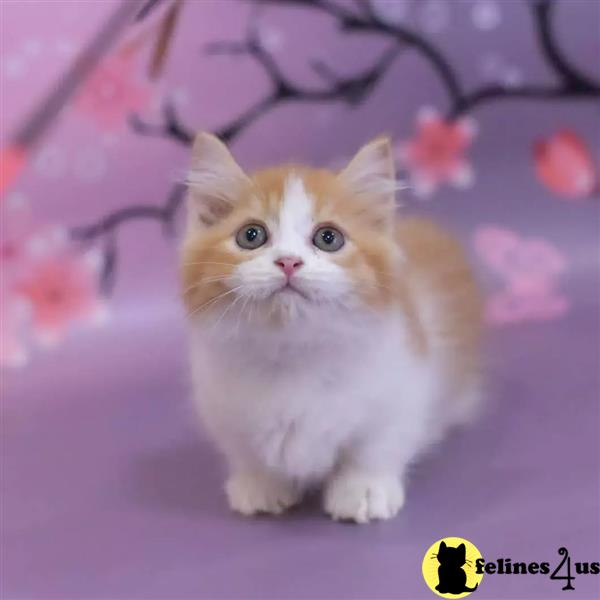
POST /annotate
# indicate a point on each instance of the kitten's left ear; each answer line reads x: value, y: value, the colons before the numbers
x: 371, y: 174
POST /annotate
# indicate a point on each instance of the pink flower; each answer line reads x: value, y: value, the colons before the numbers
x: 12, y: 161
x: 564, y: 164
x: 530, y: 269
x: 60, y: 289
x: 22, y: 240
x: 46, y: 285
x: 510, y: 307
x: 437, y: 152
x: 110, y: 94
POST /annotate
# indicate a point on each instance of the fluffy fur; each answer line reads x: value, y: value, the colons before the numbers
x: 344, y: 374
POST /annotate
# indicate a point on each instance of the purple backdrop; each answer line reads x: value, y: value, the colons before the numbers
x: 108, y: 488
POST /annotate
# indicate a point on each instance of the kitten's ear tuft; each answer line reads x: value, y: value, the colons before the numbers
x: 215, y: 181
x: 372, y: 175
x: 371, y: 171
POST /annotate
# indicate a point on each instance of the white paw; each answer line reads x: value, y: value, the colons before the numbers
x: 250, y: 494
x: 363, y: 497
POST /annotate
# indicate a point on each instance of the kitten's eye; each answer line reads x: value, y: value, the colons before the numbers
x: 251, y: 236
x: 328, y: 239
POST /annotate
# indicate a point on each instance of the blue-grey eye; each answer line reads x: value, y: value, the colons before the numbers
x: 251, y: 236
x: 328, y: 239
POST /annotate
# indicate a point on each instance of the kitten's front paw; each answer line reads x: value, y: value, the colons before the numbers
x: 362, y: 497
x: 249, y: 494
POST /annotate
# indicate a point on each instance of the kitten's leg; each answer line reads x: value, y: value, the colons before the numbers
x: 367, y: 483
x: 251, y: 489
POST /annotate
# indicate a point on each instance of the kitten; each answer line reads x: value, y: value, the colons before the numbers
x: 332, y: 342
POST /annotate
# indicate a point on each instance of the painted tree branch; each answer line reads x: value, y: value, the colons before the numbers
x: 170, y: 128
x: 113, y: 221
x: 147, y: 9
x: 569, y: 73
x: 351, y: 90
x: 106, y: 229
x: 571, y: 84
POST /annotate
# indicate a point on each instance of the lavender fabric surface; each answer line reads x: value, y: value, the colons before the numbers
x: 110, y: 489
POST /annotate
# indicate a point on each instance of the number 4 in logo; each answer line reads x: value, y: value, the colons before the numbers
x: 566, y: 559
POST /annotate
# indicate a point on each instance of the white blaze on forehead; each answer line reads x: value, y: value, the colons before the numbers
x: 295, y: 216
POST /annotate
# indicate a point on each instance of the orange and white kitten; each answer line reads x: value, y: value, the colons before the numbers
x: 332, y: 342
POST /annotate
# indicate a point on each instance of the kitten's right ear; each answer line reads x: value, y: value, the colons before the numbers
x: 215, y: 181
x: 442, y: 547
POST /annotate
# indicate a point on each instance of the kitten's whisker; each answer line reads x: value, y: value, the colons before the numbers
x: 204, y: 262
x: 251, y: 311
x: 227, y: 309
x: 239, y: 320
x: 215, y: 299
x: 204, y: 282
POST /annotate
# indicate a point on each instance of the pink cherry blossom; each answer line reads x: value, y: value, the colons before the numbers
x: 437, y: 152
x: 46, y: 284
x: 508, y: 306
x: 12, y: 161
x: 523, y: 262
x: 564, y: 164
x: 530, y: 269
x: 60, y: 289
x: 23, y: 240
x: 111, y: 93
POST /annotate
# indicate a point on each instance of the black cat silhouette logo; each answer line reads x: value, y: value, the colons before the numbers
x: 449, y: 567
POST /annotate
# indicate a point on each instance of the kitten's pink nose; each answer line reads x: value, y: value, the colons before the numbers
x: 289, y: 264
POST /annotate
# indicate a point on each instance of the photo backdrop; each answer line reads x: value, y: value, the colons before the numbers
x: 492, y: 106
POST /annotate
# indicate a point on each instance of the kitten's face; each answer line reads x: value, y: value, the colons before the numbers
x: 286, y: 244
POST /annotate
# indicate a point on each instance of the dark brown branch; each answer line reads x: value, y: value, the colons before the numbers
x: 543, y: 14
x: 112, y: 221
x: 369, y: 22
x: 147, y: 9
x: 352, y: 90
x: 493, y: 93
x: 573, y: 85
x: 107, y: 227
x: 170, y: 128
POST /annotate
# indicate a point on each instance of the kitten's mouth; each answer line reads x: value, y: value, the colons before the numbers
x: 290, y: 290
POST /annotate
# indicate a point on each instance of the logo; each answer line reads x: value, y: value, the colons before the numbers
x: 449, y: 567
x: 453, y: 568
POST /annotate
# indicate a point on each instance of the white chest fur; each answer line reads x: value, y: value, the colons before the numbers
x: 295, y: 407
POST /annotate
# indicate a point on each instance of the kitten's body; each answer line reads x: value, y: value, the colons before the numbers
x: 345, y: 381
